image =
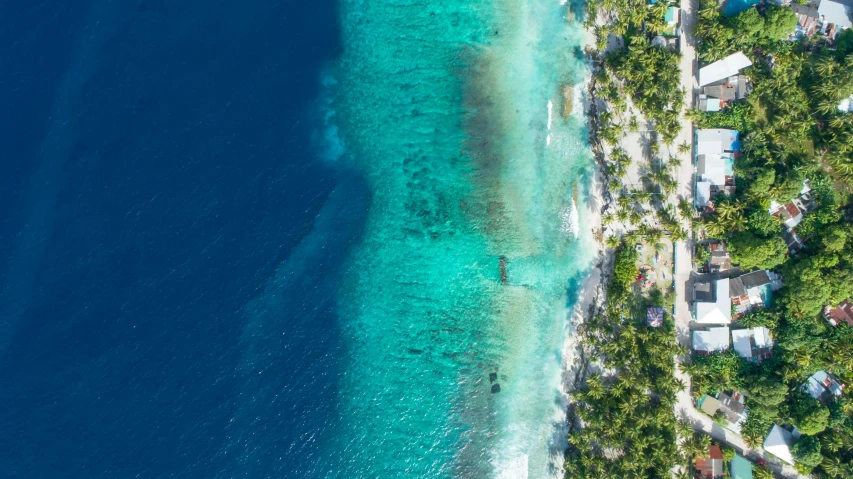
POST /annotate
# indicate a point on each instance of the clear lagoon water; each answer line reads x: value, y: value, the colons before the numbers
x: 264, y: 239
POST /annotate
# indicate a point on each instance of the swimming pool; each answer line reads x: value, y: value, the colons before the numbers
x: 733, y: 7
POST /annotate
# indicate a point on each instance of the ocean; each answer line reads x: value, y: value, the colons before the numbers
x: 289, y: 239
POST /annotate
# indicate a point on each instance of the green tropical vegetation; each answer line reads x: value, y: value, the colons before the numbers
x: 627, y: 406
x: 720, y: 36
x: 791, y: 131
x: 649, y: 74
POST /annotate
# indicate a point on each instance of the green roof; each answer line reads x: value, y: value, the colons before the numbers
x: 741, y: 468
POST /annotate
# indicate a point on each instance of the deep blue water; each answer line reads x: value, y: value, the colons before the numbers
x: 157, y: 169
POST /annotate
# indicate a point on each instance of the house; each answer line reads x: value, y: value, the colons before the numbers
x: 711, y: 467
x: 753, y: 290
x: 720, y: 259
x: 808, y: 21
x: 790, y: 214
x: 752, y: 344
x: 792, y: 241
x: 740, y: 468
x: 729, y: 66
x: 715, y: 154
x: 709, y: 104
x: 709, y: 405
x: 734, y: 408
x: 723, y: 92
x: 793, y: 213
x: 712, y: 303
x: 654, y: 317
x: 779, y: 443
x: 711, y: 341
x: 835, y: 16
x: 823, y: 387
x: 843, y: 313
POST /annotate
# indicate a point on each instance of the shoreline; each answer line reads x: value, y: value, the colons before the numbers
x: 577, y: 358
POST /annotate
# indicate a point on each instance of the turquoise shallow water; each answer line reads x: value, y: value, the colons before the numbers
x: 452, y: 112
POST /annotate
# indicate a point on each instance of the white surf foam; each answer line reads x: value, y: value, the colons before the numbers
x: 550, y: 118
x: 569, y: 221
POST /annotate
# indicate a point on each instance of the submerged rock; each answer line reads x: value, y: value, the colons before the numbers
x: 568, y: 99
x: 493, y: 377
x: 496, y: 388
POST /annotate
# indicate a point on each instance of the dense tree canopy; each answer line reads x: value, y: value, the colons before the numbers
x: 807, y: 451
x: 809, y: 415
x: 721, y: 36
x: 753, y: 251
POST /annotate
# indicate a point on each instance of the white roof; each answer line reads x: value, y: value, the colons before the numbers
x: 724, y: 68
x: 820, y: 382
x: 723, y: 135
x: 703, y: 193
x: 742, y: 340
x: 719, y: 312
x: 846, y: 105
x: 715, y: 170
x: 779, y: 443
x: 762, y: 337
x: 714, y: 339
x: 814, y: 387
x: 710, y: 313
x: 709, y: 147
x: 835, y: 12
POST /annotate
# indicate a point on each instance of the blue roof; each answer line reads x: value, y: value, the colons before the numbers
x: 736, y: 145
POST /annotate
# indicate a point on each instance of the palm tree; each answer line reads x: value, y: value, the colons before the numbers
x: 730, y: 215
x: 826, y: 66
x: 763, y: 472
x: 636, y: 217
x: 612, y: 242
x: 614, y: 185
x: 642, y: 196
x: 826, y: 106
x: 674, y: 162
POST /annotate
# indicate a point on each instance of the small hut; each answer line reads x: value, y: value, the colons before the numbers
x: 654, y: 317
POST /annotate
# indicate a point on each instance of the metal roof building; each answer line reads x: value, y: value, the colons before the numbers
x: 724, y: 68
x: 712, y: 340
x: 779, y: 443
